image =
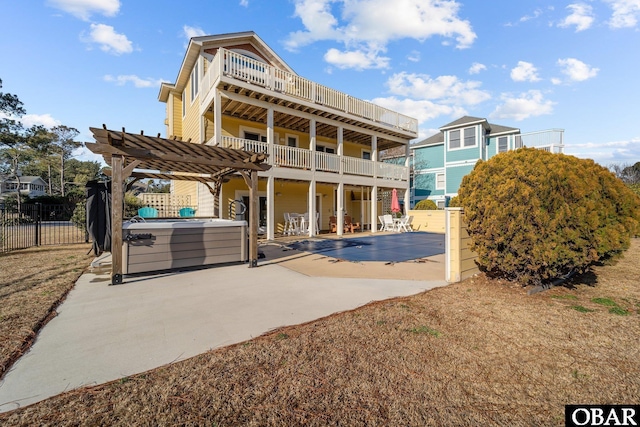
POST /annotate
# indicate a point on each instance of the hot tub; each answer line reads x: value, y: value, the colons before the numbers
x: 180, y: 243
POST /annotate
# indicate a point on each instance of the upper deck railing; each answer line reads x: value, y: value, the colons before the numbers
x: 241, y: 67
x: 548, y: 140
x: 300, y: 158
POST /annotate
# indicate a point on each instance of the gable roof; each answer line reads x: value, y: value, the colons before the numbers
x: 199, y: 44
x: 438, y: 138
x: 464, y: 121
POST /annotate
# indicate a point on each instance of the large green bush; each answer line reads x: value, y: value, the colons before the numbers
x: 534, y: 216
x: 426, y: 205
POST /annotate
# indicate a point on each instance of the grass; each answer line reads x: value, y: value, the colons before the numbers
x: 32, y: 284
x: 502, y: 358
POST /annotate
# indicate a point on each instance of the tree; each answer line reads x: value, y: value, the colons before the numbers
x: 534, y: 216
x: 629, y: 174
x: 63, y: 142
x: 11, y: 109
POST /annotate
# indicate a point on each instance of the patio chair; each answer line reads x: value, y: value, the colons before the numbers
x: 405, y: 224
x: 387, y: 220
x: 291, y: 224
x: 350, y: 225
x: 148, y: 212
x: 186, y: 212
x: 333, y: 224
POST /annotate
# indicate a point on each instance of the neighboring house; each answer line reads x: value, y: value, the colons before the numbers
x: 233, y: 90
x: 32, y: 186
x: 442, y: 160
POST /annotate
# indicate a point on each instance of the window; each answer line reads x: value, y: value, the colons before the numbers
x: 439, y: 181
x: 292, y: 141
x: 366, y: 155
x: 502, y: 144
x: 253, y: 136
x: 195, y: 76
x: 470, y: 137
x: 324, y: 149
x: 518, y: 143
x: 454, y: 139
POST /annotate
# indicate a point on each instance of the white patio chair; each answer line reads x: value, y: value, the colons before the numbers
x: 291, y: 224
x: 388, y: 223
x: 405, y: 224
x: 381, y: 219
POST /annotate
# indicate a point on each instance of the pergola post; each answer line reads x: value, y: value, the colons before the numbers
x: 254, y: 218
x: 117, y: 206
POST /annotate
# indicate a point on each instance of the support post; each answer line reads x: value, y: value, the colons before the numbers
x: 117, y: 206
x: 253, y: 220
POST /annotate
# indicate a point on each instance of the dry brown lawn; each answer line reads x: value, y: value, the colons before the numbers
x: 480, y: 352
x: 32, y: 284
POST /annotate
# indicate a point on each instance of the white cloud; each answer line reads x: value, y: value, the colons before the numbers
x: 606, y: 153
x: 581, y: 16
x: 244, y: 3
x: 369, y: 25
x: 525, y: 72
x: 476, y: 67
x: 536, y: 13
x: 83, y: 9
x: 445, y: 89
x: 528, y: 104
x: 420, y: 109
x: 109, y: 40
x: 625, y: 13
x: 358, y: 60
x: 575, y: 70
x: 138, y: 82
x: 190, y: 32
x: 414, y: 56
x: 45, y: 120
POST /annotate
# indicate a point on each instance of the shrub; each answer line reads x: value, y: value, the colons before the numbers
x: 426, y: 205
x: 534, y: 216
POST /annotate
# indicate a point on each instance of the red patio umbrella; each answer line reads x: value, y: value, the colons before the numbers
x: 395, y: 204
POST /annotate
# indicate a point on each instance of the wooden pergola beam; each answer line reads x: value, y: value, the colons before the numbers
x: 126, y: 152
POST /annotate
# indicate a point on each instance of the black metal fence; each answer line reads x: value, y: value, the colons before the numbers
x: 36, y: 224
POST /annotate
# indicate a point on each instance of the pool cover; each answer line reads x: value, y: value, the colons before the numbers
x: 389, y: 247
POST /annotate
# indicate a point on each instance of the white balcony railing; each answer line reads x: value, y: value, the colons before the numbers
x: 548, y: 140
x: 300, y: 158
x: 240, y: 67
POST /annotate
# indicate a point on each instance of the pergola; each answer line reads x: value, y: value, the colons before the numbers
x: 141, y: 156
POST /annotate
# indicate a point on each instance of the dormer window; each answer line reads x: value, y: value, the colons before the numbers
x: 464, y: 138
x: 195, y: 76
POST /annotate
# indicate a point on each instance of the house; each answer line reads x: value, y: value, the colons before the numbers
x: 31, y: 186
x: 232, y: 90
x: 442, y: 160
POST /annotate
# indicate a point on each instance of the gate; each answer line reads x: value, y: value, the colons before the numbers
x: 37, y: 224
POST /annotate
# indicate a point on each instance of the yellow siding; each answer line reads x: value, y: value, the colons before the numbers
x: 431, y: 221
x: 191, y: 121
x: 461, y: 259
x: 176, y: 115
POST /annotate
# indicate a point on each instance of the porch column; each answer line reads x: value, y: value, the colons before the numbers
x: 374, y: 209
x: 312, y: 208
x: 340, y: 198
x: 271, y: 221
x: 217, y: 116
x: 407, y: 191
x: 340, y: 210
x: 312, y: 143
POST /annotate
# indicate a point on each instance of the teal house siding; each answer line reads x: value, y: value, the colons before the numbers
x: 425, y: 186
x: 429, y: 157
x: 454, y: 177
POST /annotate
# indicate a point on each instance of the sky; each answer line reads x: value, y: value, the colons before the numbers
x: 530, y: 64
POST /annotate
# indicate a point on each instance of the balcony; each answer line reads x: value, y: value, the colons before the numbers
x: 548, y: 140
x: 235, y: 66
x: 303, y: 159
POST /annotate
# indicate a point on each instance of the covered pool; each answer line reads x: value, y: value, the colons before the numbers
x: 388, y: 247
